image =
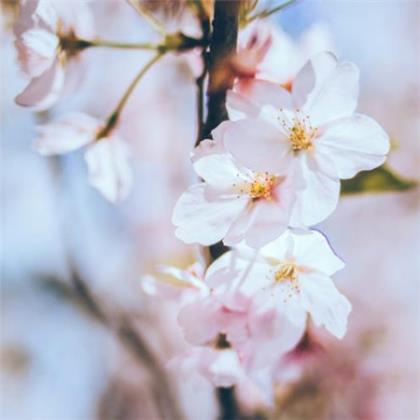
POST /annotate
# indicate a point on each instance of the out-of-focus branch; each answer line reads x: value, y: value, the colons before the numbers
x: 130, y: 338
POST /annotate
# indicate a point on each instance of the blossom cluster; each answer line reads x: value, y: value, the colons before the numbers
x: 268, y: 175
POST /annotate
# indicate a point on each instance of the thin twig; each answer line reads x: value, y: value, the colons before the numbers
x: 266, y: 13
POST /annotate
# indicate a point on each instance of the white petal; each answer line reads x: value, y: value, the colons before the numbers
x: 350, y: 145
x: 225, y: 369
x: 199, y: 220
x: 46, y: 13
x: 65, y: 134
x: 311, y: 249
x: 219, y: 171
x: 249, y: 96
x: 326, y: 305
x: 257, y: 145
x: 312, y: 77
x: 36, y: 51
x: 334, y: 94
x: 318, y: 199
x: 199, y: 322
x: 109, y: 168
x: 271, y: 335
x: 43, y: 91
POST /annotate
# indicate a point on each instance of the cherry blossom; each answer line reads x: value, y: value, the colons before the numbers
x: 292, y: 276
x: 234, y: 203
x: 176, y: 284
x: 314, y: 128
x: 47, y: 40
x: 277, y: 57
x: 106, y: 155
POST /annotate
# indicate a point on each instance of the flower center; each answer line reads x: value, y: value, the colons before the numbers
x: 262, y: 186
x: 299, y: 131
x: 286, y: 271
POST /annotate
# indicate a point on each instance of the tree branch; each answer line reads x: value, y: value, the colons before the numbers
x: 222, y: 45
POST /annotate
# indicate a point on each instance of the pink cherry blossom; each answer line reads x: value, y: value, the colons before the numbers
x: 292, y: 277
x: 176, y: 284
x: 46, y: 39
x: 280, y: 61
x: 107, y: 155
x: 314, y: 128
x: 234, y: 203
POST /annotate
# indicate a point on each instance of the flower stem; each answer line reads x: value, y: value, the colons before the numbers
x: 113, y: 117
x: 122, y: 45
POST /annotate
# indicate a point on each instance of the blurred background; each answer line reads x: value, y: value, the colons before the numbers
x: 68, y: 353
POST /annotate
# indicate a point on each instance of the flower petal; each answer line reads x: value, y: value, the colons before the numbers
x: 312, y: 76
x: 218, y: 170
x: 335, y: 90
x: 318, y: 199
x: 350, y: 145
x: 249, y: 96
x: 36, y: 51
x: 109, y: 169
x: 257, y: 145
x: 199, y: 220
x: 43, y: 91
x: 312, y: 249
x: 325, y: 303
x: 66, y: 134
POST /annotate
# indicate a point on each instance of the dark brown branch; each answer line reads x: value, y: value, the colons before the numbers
x: 222, y: 46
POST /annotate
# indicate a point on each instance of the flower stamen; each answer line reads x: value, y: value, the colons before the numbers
x: 261, y: 186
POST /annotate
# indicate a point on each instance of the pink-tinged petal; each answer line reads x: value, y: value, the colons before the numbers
x: 199, y: 220
x: 262, y: 222
x: 249, y: 96
x: 318, y: 199
x: 326, y: 305
x: 219, y: 171
x: 154, y: 287
x: 271, y: 334
x: 334, y: 94
x: 66, y: 134
x: 43, y: 91
x: 223, y: 368
x: 350, y: 145
x: 199, y: 321
x: 257, y: 145
x: 312, y: 250
x: 45, y: 13
x: 36, y: 51
x: 183, y: 278
x: 109, y: 169
x: 312, y: 77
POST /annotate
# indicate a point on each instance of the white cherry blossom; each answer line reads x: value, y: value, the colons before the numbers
x: 107, y: 155
x: 314, y: 128
x: 292, y: 277
x: 47, y: 35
